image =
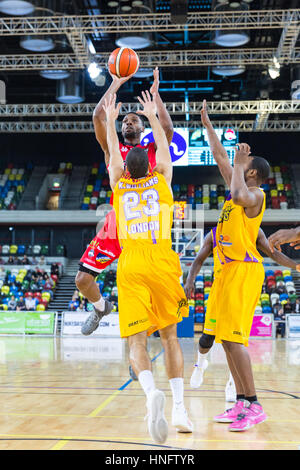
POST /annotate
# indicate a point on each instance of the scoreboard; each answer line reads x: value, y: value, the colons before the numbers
x: 191, y: 147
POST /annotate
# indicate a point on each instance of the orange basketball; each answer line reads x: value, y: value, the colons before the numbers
x: 123, y: 62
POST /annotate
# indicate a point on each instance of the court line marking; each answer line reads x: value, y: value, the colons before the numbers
x: 94, y: 413
x: 136, y: 440
x: 44, y: 415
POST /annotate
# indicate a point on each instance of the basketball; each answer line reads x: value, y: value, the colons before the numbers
x: 123, y: 62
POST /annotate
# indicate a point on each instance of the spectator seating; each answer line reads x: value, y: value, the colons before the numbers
x: 19, y: 282
x: 64, y: 168
x: 98, y: 190
x: 35, y: 250
x: 211, y: 196
x: 278, y: 188
x: 12, y: 185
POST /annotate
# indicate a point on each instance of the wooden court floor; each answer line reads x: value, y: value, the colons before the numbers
x: 76, y: 394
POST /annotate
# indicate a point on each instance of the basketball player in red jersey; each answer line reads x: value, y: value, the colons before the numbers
x: 105, y: 247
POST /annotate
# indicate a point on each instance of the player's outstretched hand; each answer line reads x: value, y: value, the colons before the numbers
x: 110, y: 108
x: 284, y: 236
x: 149, y: 105
x: 204, y: 115
x: 242, y: 153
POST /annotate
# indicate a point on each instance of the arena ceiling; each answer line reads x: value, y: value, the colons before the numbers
x: 179, y: 80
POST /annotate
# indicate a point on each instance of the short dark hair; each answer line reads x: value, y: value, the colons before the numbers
x: 137, y: 162
x: 139, y: 116
x: 261, y: 165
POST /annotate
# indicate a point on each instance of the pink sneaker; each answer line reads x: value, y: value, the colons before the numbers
x: 231, y: 415
x: 248, y: 418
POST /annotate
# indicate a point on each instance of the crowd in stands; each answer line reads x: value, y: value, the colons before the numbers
x: 24, y: 260
x: 28, y: 288
x: 278, y: 188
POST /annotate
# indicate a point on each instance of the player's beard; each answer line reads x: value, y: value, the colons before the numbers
x: 131, y: 134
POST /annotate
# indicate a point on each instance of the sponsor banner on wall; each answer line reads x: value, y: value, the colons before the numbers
x: 262, y: 326
x: 20, y: 323
x: 293, y: 326
x: 73, y: 321
x: 95, y: 349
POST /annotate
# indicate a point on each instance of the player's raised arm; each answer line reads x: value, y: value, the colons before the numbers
x: 163, y: 115
x: 219, y: 153
x: 163, y: 156
x: 279, y: 258
x: 99, y: 116
x: 116, y: 164
x: 241, y: 194
x: 205, y: 252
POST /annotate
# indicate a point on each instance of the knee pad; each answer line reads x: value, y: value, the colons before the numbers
x: 206, y: 341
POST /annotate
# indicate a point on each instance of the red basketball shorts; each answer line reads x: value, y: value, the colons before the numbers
x: 104, y: 248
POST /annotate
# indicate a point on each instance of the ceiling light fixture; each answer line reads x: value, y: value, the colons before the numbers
x: 16, y: 7
x: 231, y: 37
x: 55, y: 74
x: 37, y: 43
x: 71, y: 89
x: 133, y: 40
x: 228, y: 70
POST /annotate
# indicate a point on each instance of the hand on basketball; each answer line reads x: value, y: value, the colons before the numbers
x: 204, y: 115
x: 110, y: 108
x: 149, y: 105
x: 119, y: 81
x: 155, y: 84
x: 242, y: 154
x: 284, y: 236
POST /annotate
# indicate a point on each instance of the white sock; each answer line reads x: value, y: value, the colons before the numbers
x: 147, y: 381
x: 100, y: 304
x: 201, y: 359
x: 177, y: 387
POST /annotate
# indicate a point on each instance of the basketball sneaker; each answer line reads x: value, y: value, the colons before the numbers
x: 247, y: 418
x: 92, y: 321
x: 230, y: 391
x: 230, y: 415
x: 157, y: 423
x: 181, y: 420
x: 197, y: 375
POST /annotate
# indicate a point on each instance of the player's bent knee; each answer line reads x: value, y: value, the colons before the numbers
x: 206, y: 341
x: 83, y: 280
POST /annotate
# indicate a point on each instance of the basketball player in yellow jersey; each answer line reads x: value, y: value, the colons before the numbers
x: 150, y: 296
x: 242, y: 275
x: 207, y: 338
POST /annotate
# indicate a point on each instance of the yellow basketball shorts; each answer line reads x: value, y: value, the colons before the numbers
x: 150, y: 295
x: 239, y: 291
x: 211, y: 309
